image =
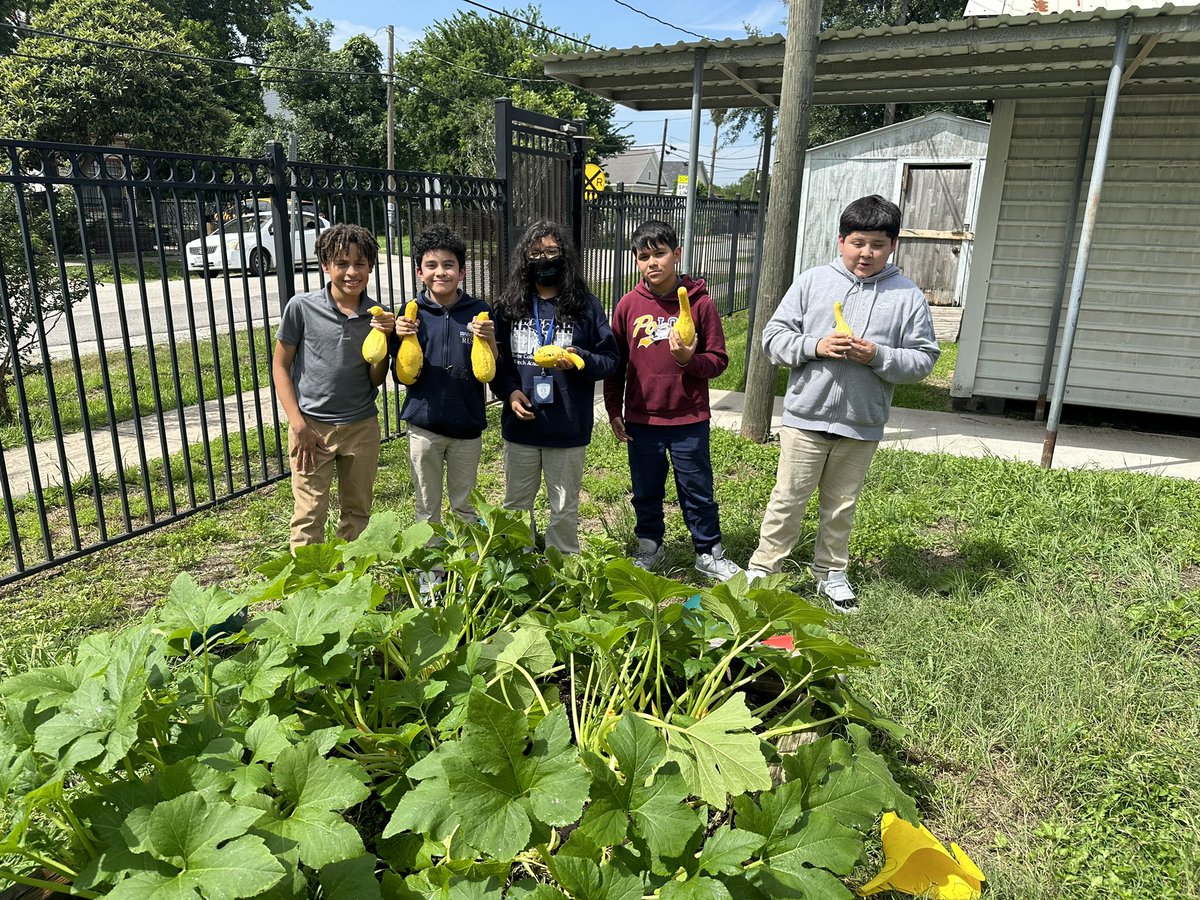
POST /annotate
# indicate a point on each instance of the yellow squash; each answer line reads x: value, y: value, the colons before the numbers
x: 410, y: 358
x: 684, y: 324
x: 549, y: 356
x: 374, y: 347
x: 842, y: 326
x: 483, y: 363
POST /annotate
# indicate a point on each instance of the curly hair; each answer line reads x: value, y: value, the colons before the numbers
x: 574, y: 293
x: 336, y: 241
x: 439, y: 237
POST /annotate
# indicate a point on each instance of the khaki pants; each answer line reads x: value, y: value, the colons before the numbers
x: 562, y: 467
x: 353, y: 450
x: 809, y: 461
x: 434, y: 456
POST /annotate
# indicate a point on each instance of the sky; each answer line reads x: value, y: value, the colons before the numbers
x: 605, y: 23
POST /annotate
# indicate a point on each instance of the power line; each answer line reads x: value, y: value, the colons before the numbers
x: 659, y: 21
x: 171, y: 54
x: 508, y: 15
x: 481, y: 71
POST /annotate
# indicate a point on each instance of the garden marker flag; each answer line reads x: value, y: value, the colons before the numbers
x: 915, y: 862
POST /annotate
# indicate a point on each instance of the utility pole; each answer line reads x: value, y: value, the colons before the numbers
x: 391, y: 145
x: 662, y: 152
x: 779, y: 244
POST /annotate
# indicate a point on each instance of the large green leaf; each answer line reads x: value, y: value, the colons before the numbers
x: 351, y: 879
x: 307, y: 618
x: 699, y: 888
x: 206, y: 843
x: 386, y: 539
x: 728, y: 849
x: 191, y: 609
x: 583, y: 879
x: 819, y: 842
x: 720, y: 754
x: 259, y: 670
x: 875, y: 767
x: 313, y: 787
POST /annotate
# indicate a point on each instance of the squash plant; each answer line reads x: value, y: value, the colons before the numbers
x: 536, y: 727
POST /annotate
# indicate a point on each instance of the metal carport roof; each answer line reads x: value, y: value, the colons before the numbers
x: 1067, y: 55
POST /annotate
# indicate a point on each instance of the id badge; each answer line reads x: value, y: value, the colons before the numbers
x: 543, y: 389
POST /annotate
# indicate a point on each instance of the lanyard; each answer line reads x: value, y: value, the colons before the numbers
x: 537, y: 325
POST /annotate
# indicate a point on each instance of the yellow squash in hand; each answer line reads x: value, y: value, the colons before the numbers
x: 684, y: 324
x: 483, y: 363
x: 843, y: 327
x: 410, y: 358
x: 374, y: 347
x: 549, y: 356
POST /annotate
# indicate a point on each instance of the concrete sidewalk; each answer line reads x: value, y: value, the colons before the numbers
x: 960, y: 434
x: 969, y: 434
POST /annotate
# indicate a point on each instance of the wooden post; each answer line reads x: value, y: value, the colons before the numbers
x: 779, y: 247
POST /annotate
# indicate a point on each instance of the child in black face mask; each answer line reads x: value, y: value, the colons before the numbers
x: 548, y: 406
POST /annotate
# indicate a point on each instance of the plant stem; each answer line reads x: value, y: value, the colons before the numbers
x: 47, y: 885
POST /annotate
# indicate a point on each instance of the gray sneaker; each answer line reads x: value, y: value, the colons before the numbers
x: 836, y: 588
x: 648, y: 555
x: 716, y: 565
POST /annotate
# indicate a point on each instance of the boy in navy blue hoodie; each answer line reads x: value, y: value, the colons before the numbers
x: 548, y: 410
x: 444, y: 407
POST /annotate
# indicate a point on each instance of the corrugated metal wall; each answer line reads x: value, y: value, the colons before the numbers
x: 1138, y: 343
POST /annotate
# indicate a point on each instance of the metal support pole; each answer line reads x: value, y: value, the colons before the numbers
x: 689, y: 224
x: 1085, y: 138
x: 662, y: 155
x: 1091, y: 213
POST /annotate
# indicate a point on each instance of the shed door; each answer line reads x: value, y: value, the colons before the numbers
x: 934, y: 204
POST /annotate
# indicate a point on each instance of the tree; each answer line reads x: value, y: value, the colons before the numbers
x: 717, y: 116
x: 60, y: 89
x: 832, y: 123
x: 338, y: 118
x: 20, y: 284
x: 748, y: 187
x: 448, y: 80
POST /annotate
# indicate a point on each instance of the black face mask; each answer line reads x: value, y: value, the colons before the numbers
x: 548, y: 271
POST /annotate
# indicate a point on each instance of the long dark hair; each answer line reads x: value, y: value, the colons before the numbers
x: 573, y: 293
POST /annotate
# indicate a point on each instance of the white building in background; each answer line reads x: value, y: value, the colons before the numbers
x: 932, y: 167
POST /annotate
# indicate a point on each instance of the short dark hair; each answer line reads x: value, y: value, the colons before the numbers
x: 654, y: 233
x: 873, y: 213
x: 439, y: 237
x: 337, y: 239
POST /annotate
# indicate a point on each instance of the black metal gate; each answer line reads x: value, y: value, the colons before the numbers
x: 540, y: 158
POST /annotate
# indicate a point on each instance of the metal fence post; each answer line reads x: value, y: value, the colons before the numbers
x: 735, y: 231
x: 575, y: 181
x: 504, y: 169
x: 619, y: 247
x: 285, y: 264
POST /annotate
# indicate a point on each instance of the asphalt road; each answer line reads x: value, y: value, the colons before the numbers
x: 222, y: 302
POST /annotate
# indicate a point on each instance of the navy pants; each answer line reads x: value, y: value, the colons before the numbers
x: 687, y: 449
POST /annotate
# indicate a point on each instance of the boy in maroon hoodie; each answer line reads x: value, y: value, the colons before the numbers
x: 663, y: 384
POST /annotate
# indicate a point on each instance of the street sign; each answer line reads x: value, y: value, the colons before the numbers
x: 681, y: 184
x: 594, y: 181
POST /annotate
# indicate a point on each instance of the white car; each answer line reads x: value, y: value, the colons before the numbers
x: 250, y: 245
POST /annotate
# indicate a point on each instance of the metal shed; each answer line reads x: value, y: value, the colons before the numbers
x: 931, y: 166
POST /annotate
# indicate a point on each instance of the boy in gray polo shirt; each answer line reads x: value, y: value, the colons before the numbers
x: 328, y: 390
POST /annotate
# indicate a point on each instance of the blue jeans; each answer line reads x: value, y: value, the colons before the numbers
x: 687, y: 447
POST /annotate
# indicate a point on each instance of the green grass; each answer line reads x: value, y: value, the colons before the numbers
x: 66, y: 385
x: 1038, y: 632
x: 933, y: 393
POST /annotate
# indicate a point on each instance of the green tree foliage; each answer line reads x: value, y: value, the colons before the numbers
x: 339, y: 118
x: 748, y: 187
x: 58, y: 89
x: 832, y: 123
x: 445, y: 97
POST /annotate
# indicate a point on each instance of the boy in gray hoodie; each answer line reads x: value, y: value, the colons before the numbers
x: 840, y: 387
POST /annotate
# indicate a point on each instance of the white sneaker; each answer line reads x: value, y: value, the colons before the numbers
x: 836, y: 588
x: 648, y: 554
x: 427, y: 581
x: 753, y: 574
x: 715, y: 564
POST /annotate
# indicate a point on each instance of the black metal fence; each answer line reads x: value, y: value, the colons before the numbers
x: 723, y: 252
x: 136, y: 387
x: 139, y: 291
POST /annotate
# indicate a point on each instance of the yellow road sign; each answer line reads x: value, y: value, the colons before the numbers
x: 593, y: 181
